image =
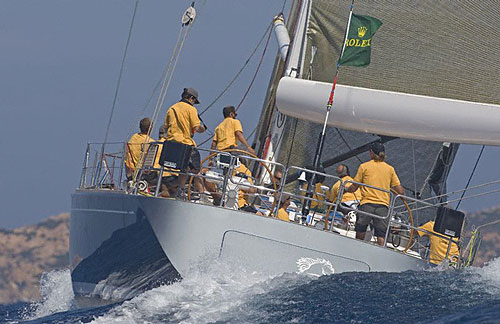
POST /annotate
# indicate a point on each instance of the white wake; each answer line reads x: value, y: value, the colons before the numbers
x: 205, y: 295
x: 56, y: 294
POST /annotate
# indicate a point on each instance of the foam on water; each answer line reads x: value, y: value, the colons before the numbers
x: 204, y: 295
x: 222, y: 293
x: 218, y: 292
x: 490, y: 273
x: 56, y: 294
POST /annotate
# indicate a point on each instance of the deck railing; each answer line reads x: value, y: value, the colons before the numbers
x: 107, y: 172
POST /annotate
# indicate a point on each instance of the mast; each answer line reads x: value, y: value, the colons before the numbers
x: 270, y: 134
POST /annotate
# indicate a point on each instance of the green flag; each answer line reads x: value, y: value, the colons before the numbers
x: 358, y: 43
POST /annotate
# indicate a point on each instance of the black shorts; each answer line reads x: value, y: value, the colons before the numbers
x: 249, y: 208
x: 363, y: 220
x: 195, y: 161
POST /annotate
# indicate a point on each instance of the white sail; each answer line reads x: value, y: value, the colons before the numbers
x: 391, y: 113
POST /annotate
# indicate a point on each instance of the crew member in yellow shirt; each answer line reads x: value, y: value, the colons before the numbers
x: 182, y: 123
x: 243, y: 203
x: 439, y: 245
x: 229, y: 132
x: 318, y: 191
x: 282, y: 213
x: 380, y: 174
x: 137, y: 146
x: 348, y: 198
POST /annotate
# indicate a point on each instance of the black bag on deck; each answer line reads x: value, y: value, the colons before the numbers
x: 449, y: 222
x: 175, y: 155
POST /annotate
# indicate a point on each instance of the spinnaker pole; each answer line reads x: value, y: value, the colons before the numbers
x: 321, y: 139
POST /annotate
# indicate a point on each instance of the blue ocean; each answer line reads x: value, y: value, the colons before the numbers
x: 219, y: 293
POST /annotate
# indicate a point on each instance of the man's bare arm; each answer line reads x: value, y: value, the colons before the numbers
x: 352, y: 188
x: 198, y: 129
x: 214, y: 145
x: 243, y: 140
x: 399, y: 189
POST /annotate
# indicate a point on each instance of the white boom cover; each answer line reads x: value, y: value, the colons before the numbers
x: 391, y: 113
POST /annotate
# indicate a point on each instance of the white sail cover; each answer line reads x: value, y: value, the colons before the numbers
x: 391, y: 113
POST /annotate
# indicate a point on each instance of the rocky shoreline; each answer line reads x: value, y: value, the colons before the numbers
x: 26, y: 252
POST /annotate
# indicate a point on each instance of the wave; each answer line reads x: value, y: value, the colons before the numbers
x: 224, y: 293
x: 204, y: 295
x: 56, y: 294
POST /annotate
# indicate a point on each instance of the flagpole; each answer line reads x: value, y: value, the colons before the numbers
x: 321, y: 140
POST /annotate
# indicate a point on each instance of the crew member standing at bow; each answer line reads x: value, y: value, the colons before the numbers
x: 376, y: 173
x: 229, y: 132
x: 182, y: 123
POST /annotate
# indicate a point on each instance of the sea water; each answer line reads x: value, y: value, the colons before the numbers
x: 219, y: 293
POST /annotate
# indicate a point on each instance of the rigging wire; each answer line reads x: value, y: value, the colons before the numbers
x: 132, y: 127
x: 296, y: 120
x: 283, y: 7
x: 267, y: 32
x: 239, y: 72
x: 158, y: 83
x: 471, y: 175
x: 117, y: 89
x: 256, y: 71
x: 347, y: 144
x: 414, y: 174
x: 168, y: 75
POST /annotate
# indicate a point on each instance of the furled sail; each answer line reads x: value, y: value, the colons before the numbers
x: 445, y: 50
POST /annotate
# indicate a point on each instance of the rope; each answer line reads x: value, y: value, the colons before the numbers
x: 167, y: 78
x: 414, y: 173
x: 268, y: 31
x: 347, y: 144
x: 239, y: 72
x: 108, y: 127
x: 283, y: 7
x: 121, y: 72
x: 471, y: 175
x: 132, y: 127
x: 256, y: 71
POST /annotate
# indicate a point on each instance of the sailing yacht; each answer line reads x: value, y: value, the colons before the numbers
x: 125, y: 239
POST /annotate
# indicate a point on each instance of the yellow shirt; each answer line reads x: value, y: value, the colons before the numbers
x: 317, y: 190
x: 180, y: 124
x: 283, y: 215
x: 157, y: 159
x: 348, y: 196
x: 378, y: 174
x: 134, y: 146
x: 439, y: 246
x: 242, y: 196
x: 225, y: 133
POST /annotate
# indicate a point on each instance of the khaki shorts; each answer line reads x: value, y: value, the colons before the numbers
x: 380, y: 225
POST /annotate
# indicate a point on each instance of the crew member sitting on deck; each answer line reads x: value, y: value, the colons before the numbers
x: 182, y: 123
x: 243, y: 204
x: 349, y: 199
x: 229, y: 131
x: 439, y: 245
x: 376, y: 173
x: 282, y: 213
x: 137, y: 146
x: 318, y: 191
x: 168, y: 179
